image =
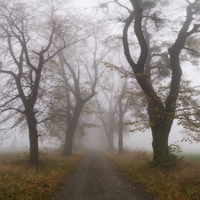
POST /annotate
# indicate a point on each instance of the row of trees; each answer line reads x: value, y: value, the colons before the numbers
x: 40, y: 61
x: 53, y: 63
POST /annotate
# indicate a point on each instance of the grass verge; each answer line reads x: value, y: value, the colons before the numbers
x: 179, y: 183
x: 20, y: 181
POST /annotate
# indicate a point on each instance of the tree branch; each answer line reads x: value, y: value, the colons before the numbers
x: 125, y: 39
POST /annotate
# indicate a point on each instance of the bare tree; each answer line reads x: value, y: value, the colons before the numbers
x: 27, y: 49
x: 78, y: 72
x: 123, y: 107
x: 107, y: 102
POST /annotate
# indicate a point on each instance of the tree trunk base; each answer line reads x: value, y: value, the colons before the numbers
x: 160, y: 145
x: 67, y: 152
x: 121, y: 151
x: 33, y: 161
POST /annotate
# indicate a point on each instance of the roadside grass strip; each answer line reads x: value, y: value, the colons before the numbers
x: 21, y: 181
x: 182, y: 182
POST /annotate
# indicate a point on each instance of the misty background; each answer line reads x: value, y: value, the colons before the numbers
x: 95, y: 138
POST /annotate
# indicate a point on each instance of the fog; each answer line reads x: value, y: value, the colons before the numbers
x: 95, y: 138
x: 142, y: 140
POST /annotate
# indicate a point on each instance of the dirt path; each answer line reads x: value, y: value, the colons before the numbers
x: 96, y: 179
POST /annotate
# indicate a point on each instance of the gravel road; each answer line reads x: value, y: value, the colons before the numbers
x: 96, y: 179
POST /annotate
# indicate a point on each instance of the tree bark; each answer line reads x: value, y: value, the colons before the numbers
x: 120, y: 139
x: 110, y: 133
x: 111, y: 141
x: 161, y: 121
x: 67, y: 150
x: 33, y: 137
x: 160, y: 144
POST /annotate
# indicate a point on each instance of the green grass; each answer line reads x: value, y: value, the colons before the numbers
x: 192, y: 156
x: 179, y: 183
x: 20, y: 181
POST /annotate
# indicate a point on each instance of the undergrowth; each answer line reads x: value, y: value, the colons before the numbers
x: 182, y: 182
x: 20, y: 181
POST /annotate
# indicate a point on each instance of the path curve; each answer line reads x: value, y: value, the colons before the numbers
x: 97, y: 179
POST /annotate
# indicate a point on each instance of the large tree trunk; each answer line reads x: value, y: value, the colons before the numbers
x: 160, y: 135
x: 67, y: 150
x: 33, y: 137
x: 161, y: 123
